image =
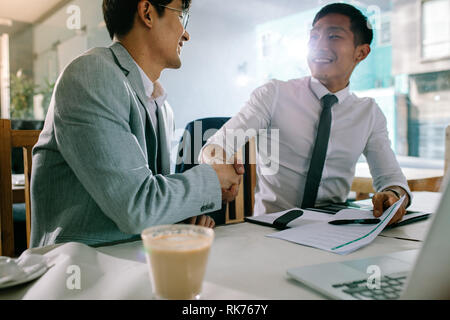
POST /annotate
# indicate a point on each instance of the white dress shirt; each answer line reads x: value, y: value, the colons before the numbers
x: 153, y: 101
x: 358, y: 127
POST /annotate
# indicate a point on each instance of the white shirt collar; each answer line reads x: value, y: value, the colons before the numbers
x: 149, y: 87
x: 320, y: 90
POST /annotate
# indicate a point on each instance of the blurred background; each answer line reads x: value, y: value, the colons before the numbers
x: 237, y: 46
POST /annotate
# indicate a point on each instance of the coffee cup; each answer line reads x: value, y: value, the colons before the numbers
x: 177, y: 256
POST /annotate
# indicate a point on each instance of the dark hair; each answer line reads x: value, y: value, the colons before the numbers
x: 119, y: 14
x: 359, y: 24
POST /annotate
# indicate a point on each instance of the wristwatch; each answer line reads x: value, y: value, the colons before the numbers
x: 398, y: 195
x: 393, y: 191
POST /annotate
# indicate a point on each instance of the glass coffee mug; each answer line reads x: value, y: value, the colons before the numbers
x: 177, y: 256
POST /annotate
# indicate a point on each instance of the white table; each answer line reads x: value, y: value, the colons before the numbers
x: 244, y: 264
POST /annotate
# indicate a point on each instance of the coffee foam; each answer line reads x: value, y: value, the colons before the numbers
x: 179, y: 241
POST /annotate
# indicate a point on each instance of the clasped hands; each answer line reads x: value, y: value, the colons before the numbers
x: 228, y: 172
x: 229, y: 175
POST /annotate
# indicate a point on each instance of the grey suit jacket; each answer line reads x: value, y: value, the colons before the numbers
x: 94, y: 177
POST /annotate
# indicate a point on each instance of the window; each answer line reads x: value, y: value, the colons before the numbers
x: 435, y: 29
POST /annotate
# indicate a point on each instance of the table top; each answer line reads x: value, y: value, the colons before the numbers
x: 243, y: 264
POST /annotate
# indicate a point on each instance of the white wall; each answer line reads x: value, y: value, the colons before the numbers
x: 54, y: 30
x: 21, y: 51
x: 4, y: 76
x: 206, y: 85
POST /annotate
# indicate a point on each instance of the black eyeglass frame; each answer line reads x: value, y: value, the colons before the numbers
x: 185, y: 15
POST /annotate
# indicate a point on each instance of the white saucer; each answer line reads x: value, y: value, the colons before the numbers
x: 24, y: 269
x: 28, y: 278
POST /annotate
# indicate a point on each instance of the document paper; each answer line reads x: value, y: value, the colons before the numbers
x: 340, y: 239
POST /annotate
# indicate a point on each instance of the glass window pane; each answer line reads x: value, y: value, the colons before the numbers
x: 436, y: 28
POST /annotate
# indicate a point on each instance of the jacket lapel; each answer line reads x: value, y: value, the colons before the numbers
x: 127, y: 64
x: 164, y: 138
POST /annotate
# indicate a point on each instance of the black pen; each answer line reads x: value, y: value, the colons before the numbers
x: 354, y: 221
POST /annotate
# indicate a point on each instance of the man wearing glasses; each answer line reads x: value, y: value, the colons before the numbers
x: 101, y: 168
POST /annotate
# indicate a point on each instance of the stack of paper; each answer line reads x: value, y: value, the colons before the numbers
x: 340, y: 239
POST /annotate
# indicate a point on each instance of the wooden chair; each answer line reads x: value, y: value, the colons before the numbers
x: 9, y: 139
x: 243, y: 205
x: 235, y: 211
x: 363, y: 186
x: 250, y: 178
x: 447, y: 150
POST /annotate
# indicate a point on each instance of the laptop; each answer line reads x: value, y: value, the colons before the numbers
x: 413, y: 274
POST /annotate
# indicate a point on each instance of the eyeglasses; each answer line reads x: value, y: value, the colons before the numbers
x: 184, y: 15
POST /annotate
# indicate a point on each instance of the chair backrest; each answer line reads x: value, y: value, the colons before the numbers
x: 250, y: 177
x: 245, y: 200
x: 188, y: 151
x: 189, y: 147
x: 10, y: 139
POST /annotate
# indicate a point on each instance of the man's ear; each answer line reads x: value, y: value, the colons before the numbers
x: 145, y: 13
x: 362, y: 51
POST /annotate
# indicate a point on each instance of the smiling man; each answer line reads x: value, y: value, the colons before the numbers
x: 101, y: 170
x: 323, y: 127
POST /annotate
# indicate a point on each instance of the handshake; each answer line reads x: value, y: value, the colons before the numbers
x: 229, y: 174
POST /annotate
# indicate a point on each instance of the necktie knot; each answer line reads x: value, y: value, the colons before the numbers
x: 329, y: 100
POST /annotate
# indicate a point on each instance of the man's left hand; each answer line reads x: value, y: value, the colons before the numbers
x: 383, y: 200
x: 203, y: 220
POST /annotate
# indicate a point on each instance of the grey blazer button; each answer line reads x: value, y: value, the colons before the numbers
x: 204, y: 208
x: 211, y: 206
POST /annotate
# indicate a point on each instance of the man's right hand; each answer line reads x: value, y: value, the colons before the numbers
x: 215, y: 156
x: 229, y: 180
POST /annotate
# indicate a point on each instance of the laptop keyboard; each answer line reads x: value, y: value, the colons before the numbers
x: 390, y: 288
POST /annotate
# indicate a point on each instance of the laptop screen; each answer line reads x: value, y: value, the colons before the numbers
x: 430, y: 278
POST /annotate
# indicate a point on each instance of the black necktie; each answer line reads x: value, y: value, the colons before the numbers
x: 319, y: 153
